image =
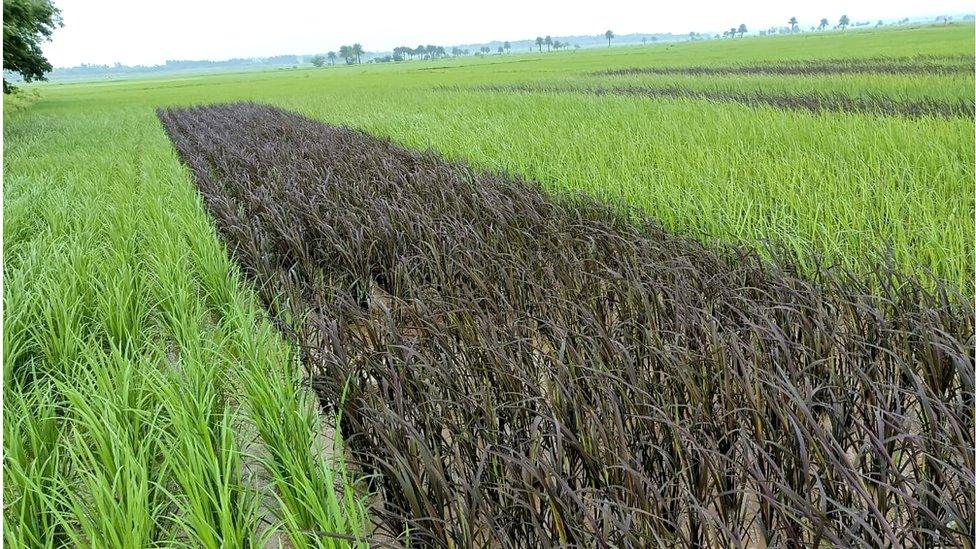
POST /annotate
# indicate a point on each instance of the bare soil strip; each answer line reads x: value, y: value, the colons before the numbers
x: 815, y: 103
x: 874, y: 65
x: 517, y: 369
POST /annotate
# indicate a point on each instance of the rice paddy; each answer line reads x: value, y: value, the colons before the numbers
x: 949, y: 64
x: 462, y: 303
x: 816, y: 102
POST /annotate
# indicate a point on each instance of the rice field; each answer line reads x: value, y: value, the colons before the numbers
x: 815, y: 102
x: 495, y: 302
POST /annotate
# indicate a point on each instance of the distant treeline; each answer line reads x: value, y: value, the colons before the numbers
x: 89, y: 70
x: 356, y: 53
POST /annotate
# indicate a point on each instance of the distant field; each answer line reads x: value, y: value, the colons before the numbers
x: 848, y: 185
x: 137, y: 359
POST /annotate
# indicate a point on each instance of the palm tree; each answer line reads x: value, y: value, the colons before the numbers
x: 823, y: 24
x: 609, y: 36
x: 844, y: 21
x: 793, y: 23
x: 742, y: 29
x: 357, y: 50
x: 538, y: 42
x: 332, y: 57
x: 346, y: 53
x: 508, y: 46
x: 548, y: 43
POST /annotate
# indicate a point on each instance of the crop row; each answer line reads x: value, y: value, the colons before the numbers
x: 144, y: 404
x: 815, y: 67
x: 518, y: 369
x: 899, y: 87
x: 812, y: 102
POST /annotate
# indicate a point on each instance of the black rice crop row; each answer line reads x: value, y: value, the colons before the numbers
x: 813, y: 102
x: 815, y: 67
x: 517, y: 369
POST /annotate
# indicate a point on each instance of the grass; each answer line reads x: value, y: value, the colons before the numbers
x: 133, y: 356
x: 131, y: 339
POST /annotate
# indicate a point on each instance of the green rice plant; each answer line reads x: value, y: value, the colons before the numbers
x: 218, y: 507
x: 918, y: 64
x: 310, y: 491
x: 949, y: 89
x: 124, y: 322
x: 115, y: 498
x: 817, y: 102
x: 847, y: 186
x: 33, y: 462
x: 319, y: 505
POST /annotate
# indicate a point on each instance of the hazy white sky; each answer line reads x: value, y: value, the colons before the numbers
x: 149, y: 32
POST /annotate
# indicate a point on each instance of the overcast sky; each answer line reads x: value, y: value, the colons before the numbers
x: 149, y: 32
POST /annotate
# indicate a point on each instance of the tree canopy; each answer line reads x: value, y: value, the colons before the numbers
x: 26, y: 23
